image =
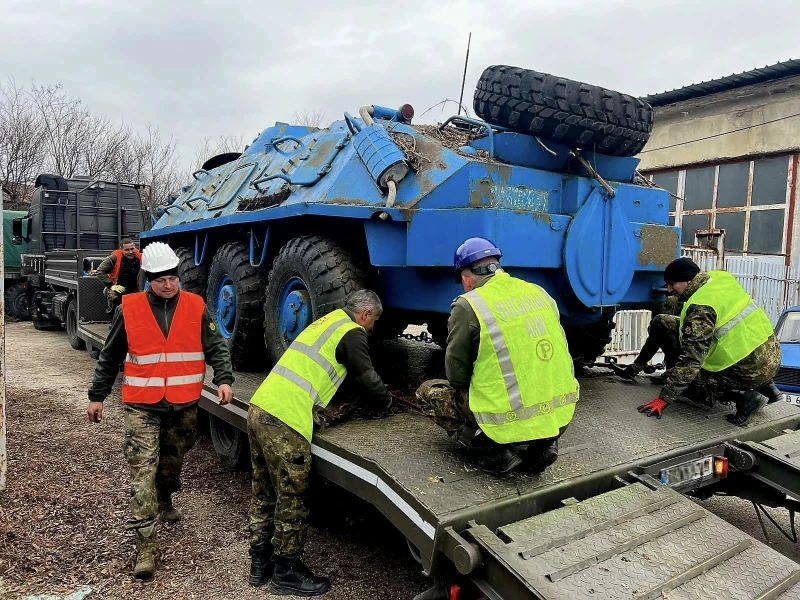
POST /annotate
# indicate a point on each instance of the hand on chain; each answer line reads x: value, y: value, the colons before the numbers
x: 654, y: 408
x: 118, y: 288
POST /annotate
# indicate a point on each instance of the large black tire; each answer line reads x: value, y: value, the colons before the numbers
x: 246, y: 336
x: 569, y: 112
x: 71, y: 326
x: 229, y: 443
x: 588, y: 342
x: 17, y: 301
x: 328, y: 273
x: 437, y: 327
x: 193, y: 277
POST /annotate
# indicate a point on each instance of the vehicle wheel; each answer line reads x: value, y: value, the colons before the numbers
x: 234, y: 295
x: 230, y: 444
x: 17, y: 301
x: 588, y: 342
x: 71, y: 327
x: 310, y: 277
x: 437, y: 327
x: 569, y: 112
x: 193, y: 277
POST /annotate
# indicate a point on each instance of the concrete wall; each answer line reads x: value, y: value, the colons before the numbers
x: 726, y: 112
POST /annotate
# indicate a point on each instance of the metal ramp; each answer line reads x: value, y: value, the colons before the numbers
x: 631, y: 543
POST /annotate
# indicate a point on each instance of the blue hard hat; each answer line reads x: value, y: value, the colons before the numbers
x: 471, y: 250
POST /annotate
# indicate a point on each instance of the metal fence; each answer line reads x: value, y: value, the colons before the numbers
x: 772, y: 285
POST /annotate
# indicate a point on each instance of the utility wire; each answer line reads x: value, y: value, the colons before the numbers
x: 716, y: 135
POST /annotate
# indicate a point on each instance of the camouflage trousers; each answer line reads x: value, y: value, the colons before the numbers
x: 113, y: 299
x: 709, y: 387
x: 155, y: 444
x: 281, y: 460
x: 447, y: 406
x: 662, y: 334
x: 449, y: 409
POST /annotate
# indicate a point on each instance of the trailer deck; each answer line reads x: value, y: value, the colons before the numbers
x: 424, y: 483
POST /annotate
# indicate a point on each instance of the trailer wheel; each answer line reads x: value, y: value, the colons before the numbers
x: 568, y: 112
x: 17, y: 301
x: 229, y: 443
x: 234, y: 296
x: 193, y: 277
x: 310, y: 277
x: 71, y: 326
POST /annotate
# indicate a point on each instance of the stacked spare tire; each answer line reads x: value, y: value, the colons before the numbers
x: 569, y: 112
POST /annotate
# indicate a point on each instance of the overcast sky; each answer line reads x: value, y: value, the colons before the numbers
x: 197, y: 69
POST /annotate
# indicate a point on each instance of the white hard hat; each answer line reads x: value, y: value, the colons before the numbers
x: 158, y: 257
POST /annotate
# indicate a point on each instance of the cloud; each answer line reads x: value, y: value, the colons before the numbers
x: 218, y: 68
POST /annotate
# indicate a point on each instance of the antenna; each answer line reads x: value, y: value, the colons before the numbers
x: 464, y: 79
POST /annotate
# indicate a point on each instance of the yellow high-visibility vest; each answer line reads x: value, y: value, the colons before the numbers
x: 307, y: 374
x: 523, y: 385
x: 741, y: 327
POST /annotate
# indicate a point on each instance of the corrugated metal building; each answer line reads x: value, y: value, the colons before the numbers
x: 727, y: 149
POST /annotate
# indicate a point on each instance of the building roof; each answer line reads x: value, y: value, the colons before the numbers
x: 731, y: 82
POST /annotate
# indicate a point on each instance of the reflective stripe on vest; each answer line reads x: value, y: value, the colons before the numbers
x: 741, y: 327
x: 307, y: 374
x: 520, y: 325
x: 156, y: 367
x: 114, y: 274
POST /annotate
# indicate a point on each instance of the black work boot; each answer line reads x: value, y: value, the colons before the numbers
x: 747, y: 404
x: 769, y: 390
x: 496, y: 459
x: 291, y: 577
x: 537, y: 461
x: 261, y: 562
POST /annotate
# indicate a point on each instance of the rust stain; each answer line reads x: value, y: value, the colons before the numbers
x: 542, y: 217
x: 482, y: 194
x: 658, y: 245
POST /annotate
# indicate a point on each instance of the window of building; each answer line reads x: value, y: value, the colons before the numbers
x: 749, y: 199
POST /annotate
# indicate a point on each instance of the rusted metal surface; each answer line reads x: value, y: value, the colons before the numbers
x: 3, y: 454
x: 658, y: 245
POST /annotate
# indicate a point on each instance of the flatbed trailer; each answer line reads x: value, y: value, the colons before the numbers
x: 599, y: 523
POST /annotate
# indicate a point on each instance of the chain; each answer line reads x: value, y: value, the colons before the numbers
x: 422, y: 337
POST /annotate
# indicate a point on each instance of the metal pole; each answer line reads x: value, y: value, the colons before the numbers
x: 3, y: 455
x: 464, y: 79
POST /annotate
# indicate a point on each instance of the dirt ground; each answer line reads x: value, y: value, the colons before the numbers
x: 62, y: 516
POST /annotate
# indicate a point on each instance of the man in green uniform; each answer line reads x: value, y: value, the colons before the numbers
x: 728, y: 350
x: 119, y: 272
x: 510, y: 385
x: 280, y: 425
x: 159, y: 334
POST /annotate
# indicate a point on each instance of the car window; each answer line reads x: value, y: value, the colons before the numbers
x: 789, y: 328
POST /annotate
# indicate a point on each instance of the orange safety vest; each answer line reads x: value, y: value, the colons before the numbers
x: 157, y: 367
x: 114, y: 275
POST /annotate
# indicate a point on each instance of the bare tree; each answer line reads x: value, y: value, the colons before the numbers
x: 309, y: 119
x: 21, y: 149
x: 68, y: 129
x: 209, y: 148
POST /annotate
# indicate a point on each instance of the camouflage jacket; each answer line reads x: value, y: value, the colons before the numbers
x: 697, y: 335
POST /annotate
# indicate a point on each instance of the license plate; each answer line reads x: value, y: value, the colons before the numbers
x: 792, y: 399
x: 688, y: 471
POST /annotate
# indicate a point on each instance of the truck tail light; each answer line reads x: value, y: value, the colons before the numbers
x: 720, y: 466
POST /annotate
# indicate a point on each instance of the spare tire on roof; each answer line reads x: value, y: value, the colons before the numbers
x: 569, y: 112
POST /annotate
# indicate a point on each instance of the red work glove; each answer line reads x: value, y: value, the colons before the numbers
x: 654, y: 408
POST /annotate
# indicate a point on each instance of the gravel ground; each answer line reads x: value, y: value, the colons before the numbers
x: 62, y: 516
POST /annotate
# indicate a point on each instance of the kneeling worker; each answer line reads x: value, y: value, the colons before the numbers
x: 728, y: 349
x: 510, y: 383
x: 165, y: 337
x: 280, y: 425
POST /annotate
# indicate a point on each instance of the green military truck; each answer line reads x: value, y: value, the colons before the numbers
x: 16, y: 296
